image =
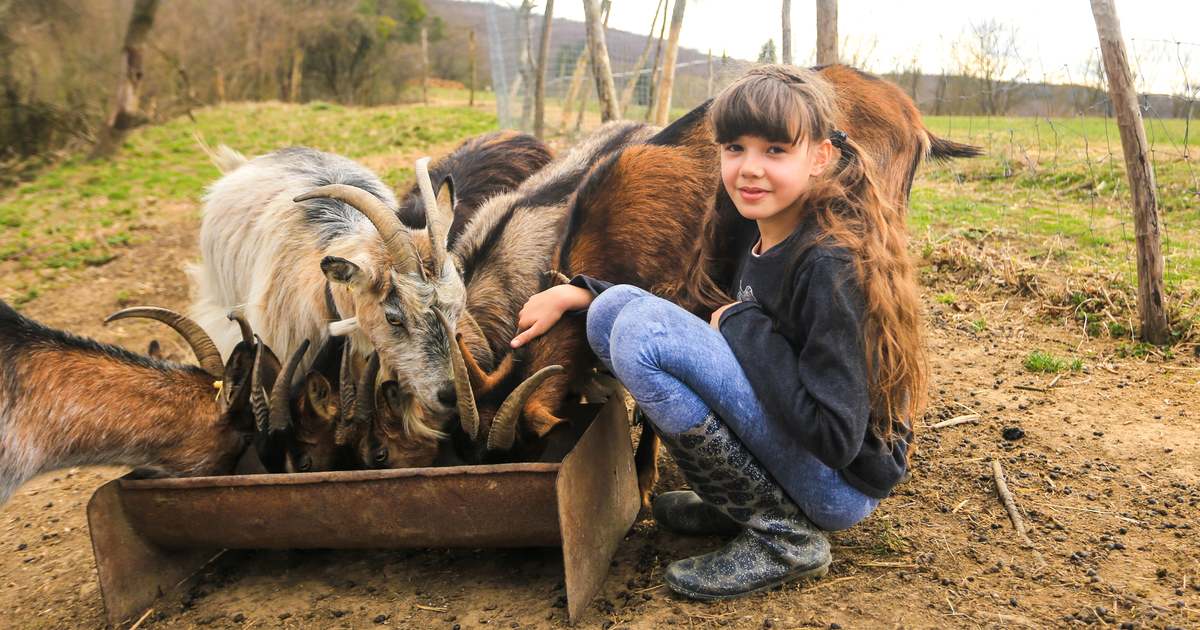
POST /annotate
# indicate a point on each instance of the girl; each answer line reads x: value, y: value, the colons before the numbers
x: 790, y: 412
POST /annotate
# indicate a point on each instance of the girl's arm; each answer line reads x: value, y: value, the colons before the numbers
x: 816, y: 392
x: 544, y: 309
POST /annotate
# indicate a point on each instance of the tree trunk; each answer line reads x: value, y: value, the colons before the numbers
x: 525, y: 67
x: 126, y: 113
x: 662, y: 109
x: 652, y: 98
x: 827, y: 36
x: 539, y: 95
x: 786, y: 40
x: 583, y: 103
x: 471, y: 54
x: 634, y: 75
x: 1141, y: 175
x: 606, y: 91
x: 577, y: 77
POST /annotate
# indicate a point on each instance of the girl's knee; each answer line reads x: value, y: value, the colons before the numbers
x: 604, y: 310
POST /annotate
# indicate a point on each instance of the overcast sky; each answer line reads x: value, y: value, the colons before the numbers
x: 1055, y: 37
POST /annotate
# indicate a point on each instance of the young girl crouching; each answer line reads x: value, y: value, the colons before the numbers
x: 789, y: 412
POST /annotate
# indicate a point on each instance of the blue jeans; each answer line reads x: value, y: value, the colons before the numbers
x: 679, y: 370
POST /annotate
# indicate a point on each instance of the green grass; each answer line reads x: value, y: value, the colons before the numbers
x: 80, y: 213
x: 1059, y: 186
x: 1039, y: 361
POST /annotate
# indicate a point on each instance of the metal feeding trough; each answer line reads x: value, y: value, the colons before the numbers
x: 149, y: 536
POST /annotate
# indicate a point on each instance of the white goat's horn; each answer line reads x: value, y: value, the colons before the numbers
x: 468, y: 413
x: 397, y: 239
x: 433, y: 216
x: 202, y: 345
x: 504, y: 426
x: 237, y: 315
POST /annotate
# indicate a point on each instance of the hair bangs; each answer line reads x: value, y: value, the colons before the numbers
x: 758, y: 106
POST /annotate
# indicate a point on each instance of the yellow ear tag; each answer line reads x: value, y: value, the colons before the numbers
x: 218, y: 385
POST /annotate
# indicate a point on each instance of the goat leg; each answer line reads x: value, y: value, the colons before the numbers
x: 645, y: 460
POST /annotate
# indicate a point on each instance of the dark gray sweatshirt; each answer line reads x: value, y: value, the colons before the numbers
x: 798, y: 337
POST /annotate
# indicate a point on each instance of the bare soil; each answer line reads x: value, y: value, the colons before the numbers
x: 1106, y: 475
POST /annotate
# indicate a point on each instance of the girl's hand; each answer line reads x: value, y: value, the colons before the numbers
x: 544, y: 309
x: 715, y: 320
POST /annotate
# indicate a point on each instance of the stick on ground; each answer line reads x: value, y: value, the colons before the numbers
x: 1006, y: 498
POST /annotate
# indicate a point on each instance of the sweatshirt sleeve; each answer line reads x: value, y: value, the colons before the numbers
x: 818, y: 391
x: 591, y: 284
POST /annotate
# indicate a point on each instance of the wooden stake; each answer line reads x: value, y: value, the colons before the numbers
x: 424, y: 65
x: 1141, y: 176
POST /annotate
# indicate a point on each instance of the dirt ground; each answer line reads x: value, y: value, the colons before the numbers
x: 1106, y: 474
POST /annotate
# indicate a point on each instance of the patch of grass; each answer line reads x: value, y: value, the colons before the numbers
x: 946, y: 298
x: 979, y: 325
x: 1039, y: 361
x: 69, y: 215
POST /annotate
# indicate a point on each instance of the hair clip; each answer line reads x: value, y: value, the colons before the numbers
x: 838, y: 138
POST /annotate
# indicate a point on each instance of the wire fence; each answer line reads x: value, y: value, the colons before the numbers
x: 1052, y: 176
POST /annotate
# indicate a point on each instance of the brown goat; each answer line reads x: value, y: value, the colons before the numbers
x: 636, y: 218
x: 69, y: 401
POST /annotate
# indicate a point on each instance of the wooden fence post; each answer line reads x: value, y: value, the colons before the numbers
x: 606, y: 90
x: 1141, y: 176
x: 786, y: 41
x: 471, y: 54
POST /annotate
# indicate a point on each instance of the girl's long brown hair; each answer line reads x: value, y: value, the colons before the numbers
x: 792, y: 105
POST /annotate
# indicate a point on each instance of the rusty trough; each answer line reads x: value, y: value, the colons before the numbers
x: 150, y: 536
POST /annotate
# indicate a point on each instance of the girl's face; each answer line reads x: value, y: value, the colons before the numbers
x: 764, y: 177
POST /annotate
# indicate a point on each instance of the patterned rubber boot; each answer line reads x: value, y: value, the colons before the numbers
x: 684, y: 512
x: 778, y: 543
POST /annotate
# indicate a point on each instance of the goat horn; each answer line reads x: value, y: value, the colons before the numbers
x: 366, y: 393
x: 468, y: 414
x: 260, y: 403
x: 238, y: 316
x: 397, y: 239
x: 281, y: 409
x: 202, y: 345
x: 347, y: 398
x: 433, y: 216
x: 504, y: 426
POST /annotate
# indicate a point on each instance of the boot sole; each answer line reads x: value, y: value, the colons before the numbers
x: 708, y: 597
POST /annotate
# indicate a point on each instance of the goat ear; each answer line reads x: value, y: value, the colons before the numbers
x: 341, y: 271
x: 321, y: 398
x: 394, y: 400
x: 235, y: 389
x: 447, y: 199
x: 154, y: 350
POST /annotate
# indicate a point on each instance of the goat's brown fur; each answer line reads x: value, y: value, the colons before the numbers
x: 68, y: 401
x: 636, y: 219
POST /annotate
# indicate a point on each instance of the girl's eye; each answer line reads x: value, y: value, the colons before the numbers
x: 776, y: 150
x: 733, y: 148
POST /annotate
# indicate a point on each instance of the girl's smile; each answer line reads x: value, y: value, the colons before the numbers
x: 764, y: 178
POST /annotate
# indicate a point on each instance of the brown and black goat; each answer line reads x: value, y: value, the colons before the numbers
x: 70, y: 401
x: 636, y: 218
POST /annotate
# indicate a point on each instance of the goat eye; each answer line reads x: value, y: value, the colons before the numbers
x: 305, y: 463
x: 381, y: 456
x: 395, y: 319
